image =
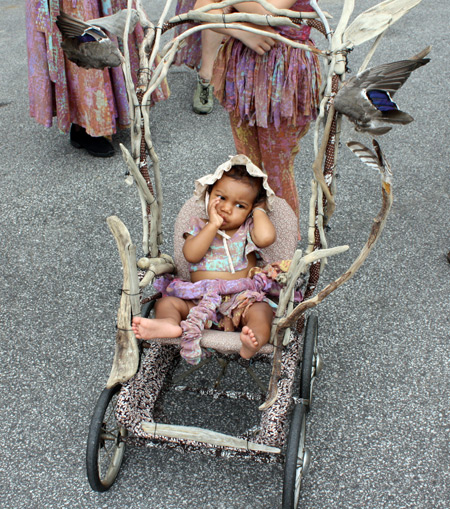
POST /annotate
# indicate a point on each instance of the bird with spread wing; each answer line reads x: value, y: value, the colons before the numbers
x: 86, y: 43
x: 366, y: 99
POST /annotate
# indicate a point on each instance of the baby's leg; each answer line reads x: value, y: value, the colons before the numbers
x: 256, y: 330
x: 170, y: 311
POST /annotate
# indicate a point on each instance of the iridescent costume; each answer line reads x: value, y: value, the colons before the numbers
x: 191, y: 53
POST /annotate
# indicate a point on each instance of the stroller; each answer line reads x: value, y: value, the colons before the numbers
x: 144, y: 374
x: 136, y: 407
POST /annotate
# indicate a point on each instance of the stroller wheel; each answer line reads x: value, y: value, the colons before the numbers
x: 311, y: 361
x: 105, y: 445
x: 297, y: 458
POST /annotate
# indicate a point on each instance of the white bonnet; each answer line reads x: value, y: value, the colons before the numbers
x: 202, y: 184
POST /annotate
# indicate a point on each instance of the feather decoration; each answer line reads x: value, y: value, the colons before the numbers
x: 86, y: 43
x: 376, y: 20
x: 376, y: 161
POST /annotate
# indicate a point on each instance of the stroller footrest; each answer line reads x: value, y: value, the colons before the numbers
x: 224, y: 342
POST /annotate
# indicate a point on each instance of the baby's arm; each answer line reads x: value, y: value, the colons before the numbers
x: 263, y: 233
x: 196, y: 246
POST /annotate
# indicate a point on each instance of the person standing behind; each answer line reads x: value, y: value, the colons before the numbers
x: 271, y: 92
x: 91, y: 104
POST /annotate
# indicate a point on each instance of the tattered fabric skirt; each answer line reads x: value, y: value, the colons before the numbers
x: 219, y: 302
x: 92, y: 98
x: 264, y: 90
x: 191, y: 53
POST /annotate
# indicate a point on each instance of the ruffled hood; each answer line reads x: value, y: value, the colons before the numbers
x: 202, y: 184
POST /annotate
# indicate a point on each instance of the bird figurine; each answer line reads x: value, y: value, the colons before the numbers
x: 366, y: 99
x: 87, y: 45
x: 376, y: 160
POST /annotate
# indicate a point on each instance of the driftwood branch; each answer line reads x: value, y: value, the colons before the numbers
x: 278, y: 332
x: 251, y: 18
x: 337, y: 42
x: 155, y: 267
x: 149, y: 243
x: 126, y: 356
x: 377, y: 227
x: 376, y: 20
x: 318, y: 164
x: 283, y: 324
x: 192, y: 15
x: 204, y: 436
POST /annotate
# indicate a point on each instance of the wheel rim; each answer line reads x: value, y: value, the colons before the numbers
x: 316, y: 368
x: 318, y: 362
x: 303, y: 457
x: 111, y: 446
x: 311, y: 360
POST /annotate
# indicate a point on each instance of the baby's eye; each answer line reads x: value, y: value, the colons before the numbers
x: 239, y: 206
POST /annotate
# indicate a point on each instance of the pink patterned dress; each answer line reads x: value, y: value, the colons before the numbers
x: 191, y: 53
x: 93, y: 99
x: 264, y: 90
x: 271, y: 100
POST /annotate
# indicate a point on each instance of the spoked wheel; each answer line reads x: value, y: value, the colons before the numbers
x: 297, y: 458
x: 311, y: 361
x: 105, y: 446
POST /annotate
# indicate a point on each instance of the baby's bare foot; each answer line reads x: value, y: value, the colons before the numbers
x: 151, y: 328
x: 250, y: 344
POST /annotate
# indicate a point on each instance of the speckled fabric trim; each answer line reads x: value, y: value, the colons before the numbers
x: 274, y: 420
x: 141, y: 400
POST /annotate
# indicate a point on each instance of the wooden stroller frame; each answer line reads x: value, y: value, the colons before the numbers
x: 290, y: 319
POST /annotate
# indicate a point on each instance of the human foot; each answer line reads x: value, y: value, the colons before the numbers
x: 151, y: 328
x: 96, y: 146
x: 203, y: 101
x: 250, y: 344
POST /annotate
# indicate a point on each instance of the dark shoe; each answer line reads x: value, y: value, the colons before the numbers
x: 203, y: 101
x: 96, y: 146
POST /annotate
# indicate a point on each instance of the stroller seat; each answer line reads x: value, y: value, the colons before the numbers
x: 285, y: 222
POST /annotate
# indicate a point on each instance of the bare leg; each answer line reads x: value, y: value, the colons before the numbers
x: 170, y: 311
x: 211, y: 42
x: 203, y: 100
x: 256, y: 330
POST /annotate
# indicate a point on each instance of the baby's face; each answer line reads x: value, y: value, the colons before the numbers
x: 236, y: 201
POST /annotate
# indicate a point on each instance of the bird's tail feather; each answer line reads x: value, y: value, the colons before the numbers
x: 396, y: 117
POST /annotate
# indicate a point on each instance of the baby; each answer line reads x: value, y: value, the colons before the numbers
x: 224, y: 246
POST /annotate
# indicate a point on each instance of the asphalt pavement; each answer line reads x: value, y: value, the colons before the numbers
x: 379, y: 427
